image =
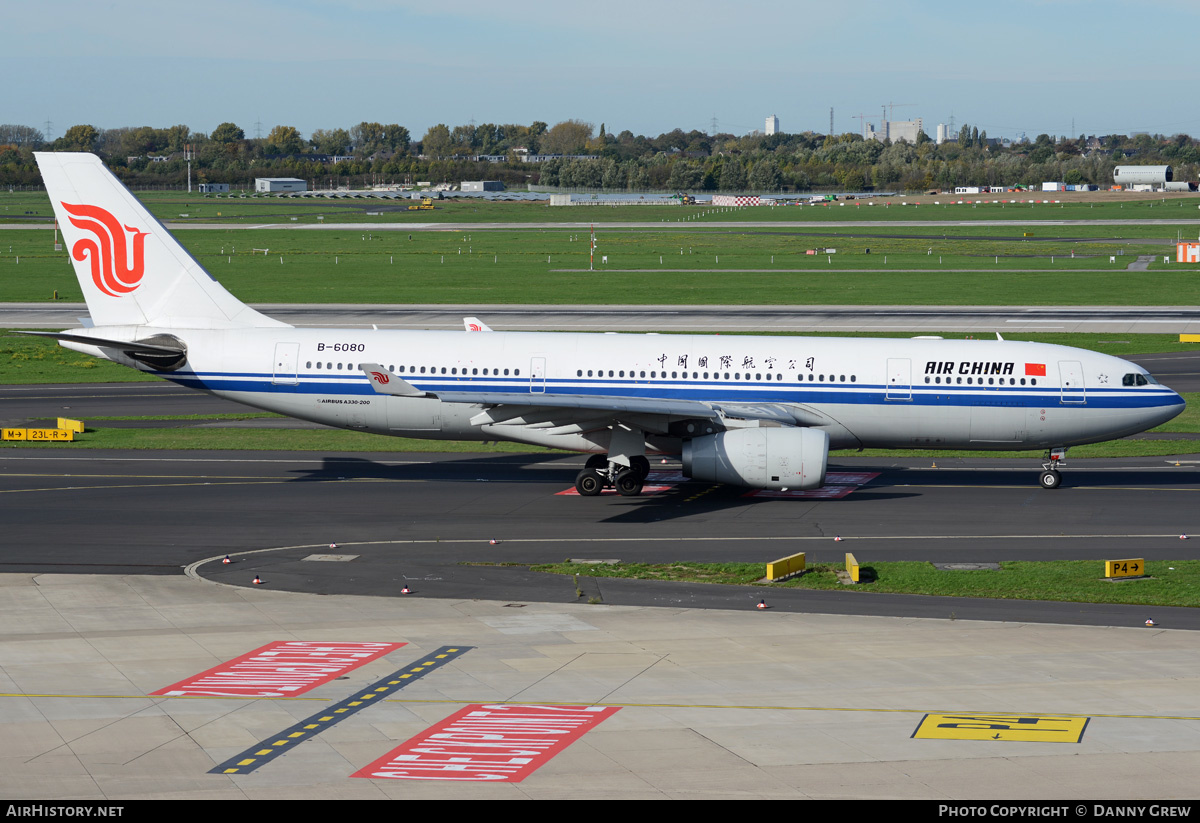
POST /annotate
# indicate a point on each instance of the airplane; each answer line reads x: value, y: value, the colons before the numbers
x: 754, y: 411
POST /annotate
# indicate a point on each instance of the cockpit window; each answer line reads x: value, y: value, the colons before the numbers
x: 1135, y: 379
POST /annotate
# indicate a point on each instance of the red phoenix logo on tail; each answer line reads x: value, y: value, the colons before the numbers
x: 109, y: 253
x: 379, y: 377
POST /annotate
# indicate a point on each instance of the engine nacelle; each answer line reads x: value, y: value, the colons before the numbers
x: 761, y: 458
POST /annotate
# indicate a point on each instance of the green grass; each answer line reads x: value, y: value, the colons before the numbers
x: 768, y: 267
x: 1172, y: 583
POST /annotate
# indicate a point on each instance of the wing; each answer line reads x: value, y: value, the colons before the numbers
x: 575, y: 413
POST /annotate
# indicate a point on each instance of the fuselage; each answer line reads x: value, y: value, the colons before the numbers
x: 883, y: 393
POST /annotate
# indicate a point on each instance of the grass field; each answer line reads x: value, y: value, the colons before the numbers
x: 768, y: 267
x: 1170, y: 583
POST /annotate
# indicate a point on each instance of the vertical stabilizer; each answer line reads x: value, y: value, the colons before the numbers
x: 131, y: 270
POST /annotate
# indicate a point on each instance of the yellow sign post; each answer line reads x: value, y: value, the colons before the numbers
x: 1124, y: 568
x: 852, y: 567
x: 39, y: 435
x: 786, y: 567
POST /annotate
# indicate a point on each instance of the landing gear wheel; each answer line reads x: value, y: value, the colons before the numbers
x: 1050, y: 479
x: 641, y: 465
x: 588, y: 483
x: 597, y: 462
x: 628, y: 483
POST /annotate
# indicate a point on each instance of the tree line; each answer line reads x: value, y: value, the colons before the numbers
x: 677, y: 160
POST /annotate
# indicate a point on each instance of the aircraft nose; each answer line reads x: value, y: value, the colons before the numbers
x: 1170, y: 407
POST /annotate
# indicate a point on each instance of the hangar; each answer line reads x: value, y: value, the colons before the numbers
x: 270, y: 184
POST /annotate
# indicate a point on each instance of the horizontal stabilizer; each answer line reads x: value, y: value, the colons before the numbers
x: 384, y: 382
x: 163, y: 351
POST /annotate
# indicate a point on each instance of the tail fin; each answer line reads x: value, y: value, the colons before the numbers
x: 131, y: 270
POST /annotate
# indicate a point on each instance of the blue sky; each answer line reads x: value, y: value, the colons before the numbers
x: 1020, y: 66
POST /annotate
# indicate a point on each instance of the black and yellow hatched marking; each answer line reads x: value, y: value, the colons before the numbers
x: 1001, y: 727
x: 272, y: 747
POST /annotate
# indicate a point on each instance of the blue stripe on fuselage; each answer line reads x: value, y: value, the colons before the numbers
x: 729, y: 391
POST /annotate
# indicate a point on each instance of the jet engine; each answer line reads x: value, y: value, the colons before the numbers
x: 761, y: 458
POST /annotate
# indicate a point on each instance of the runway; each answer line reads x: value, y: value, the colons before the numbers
x: 417, y: 518
x: 110, y: 591
x: 112, y: 588
x: 705, y: 319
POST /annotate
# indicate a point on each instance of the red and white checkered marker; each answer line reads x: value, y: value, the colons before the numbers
x: 762, y: 604
x: 494, y: 542
x: 1151, y: 623
x: 226, y: 560
x: 257, y: 582
x: 333, y: 545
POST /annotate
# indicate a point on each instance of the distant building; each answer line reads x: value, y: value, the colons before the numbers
x: 772, y: 125
x: 944, y: 135
x: 272, y: 184
x: 214, y: 188
x: 896, y: 130
x: 481, y: 185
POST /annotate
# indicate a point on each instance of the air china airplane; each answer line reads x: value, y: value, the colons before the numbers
x: 761, y: 412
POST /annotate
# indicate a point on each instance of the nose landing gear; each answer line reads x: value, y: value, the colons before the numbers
x: 1050, y: 478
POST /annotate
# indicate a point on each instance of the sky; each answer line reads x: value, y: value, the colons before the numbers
x: 1060, y: 67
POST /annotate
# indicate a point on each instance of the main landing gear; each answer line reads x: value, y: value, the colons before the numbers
x: 1050, y: 478
x: 599, y: 472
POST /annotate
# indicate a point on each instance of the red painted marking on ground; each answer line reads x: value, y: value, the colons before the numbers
x: 280, y: 669
x: 494, y: 743
x: 656, y: 483
x: 837, y: 485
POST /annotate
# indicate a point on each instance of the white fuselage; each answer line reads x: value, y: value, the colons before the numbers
x: 884, y: 393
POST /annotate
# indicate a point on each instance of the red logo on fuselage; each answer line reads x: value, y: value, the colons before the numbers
x: 380, y: 377
x: 117, y: 264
